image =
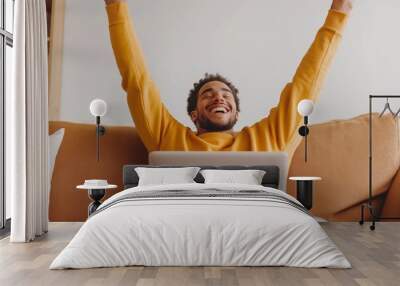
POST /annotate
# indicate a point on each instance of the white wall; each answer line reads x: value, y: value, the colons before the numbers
x: 256, y: 43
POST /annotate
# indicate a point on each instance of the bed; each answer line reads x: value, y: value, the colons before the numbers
x: 198, y: 224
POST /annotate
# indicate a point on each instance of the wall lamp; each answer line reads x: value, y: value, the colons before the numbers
x: 305, y: 108
x: 98, y: 108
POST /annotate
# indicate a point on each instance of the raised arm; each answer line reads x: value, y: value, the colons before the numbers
x: 278, y: 129
x: 152, y: 119
x: 312, y: 70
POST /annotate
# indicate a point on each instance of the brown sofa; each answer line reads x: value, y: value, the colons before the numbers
x: 338, y: 152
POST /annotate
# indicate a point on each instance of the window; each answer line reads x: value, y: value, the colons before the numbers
x: 6, y: 57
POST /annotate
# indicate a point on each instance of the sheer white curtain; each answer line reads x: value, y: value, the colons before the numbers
x: 27, y: 124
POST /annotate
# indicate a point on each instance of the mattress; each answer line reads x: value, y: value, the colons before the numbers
x: 201, y: 225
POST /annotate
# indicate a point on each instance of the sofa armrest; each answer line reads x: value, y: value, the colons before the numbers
x: 391, y: 207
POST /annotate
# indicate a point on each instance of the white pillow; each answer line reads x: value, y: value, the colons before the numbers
x: 248, y: 177
x: 162, y: 176
x: 55, y: 140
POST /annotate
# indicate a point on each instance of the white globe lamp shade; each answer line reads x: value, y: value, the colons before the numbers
x: 305, y: 107
x: 98, y: 107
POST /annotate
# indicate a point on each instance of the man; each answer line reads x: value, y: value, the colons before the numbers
x: 213, y: 103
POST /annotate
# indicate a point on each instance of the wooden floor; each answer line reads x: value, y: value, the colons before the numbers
x: 375, y: 257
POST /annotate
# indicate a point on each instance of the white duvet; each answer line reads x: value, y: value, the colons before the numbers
x: 200, y: 231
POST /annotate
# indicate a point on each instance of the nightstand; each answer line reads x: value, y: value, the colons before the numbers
x: 96, y: 190
x: 305, y: 190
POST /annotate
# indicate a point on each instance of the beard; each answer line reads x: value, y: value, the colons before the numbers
x: 206, y: 124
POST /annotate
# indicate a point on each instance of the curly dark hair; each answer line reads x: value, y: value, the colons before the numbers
x: 194, y: 93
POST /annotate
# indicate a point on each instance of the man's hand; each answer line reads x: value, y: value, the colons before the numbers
x: 344, y: 6
x: 113, y: 1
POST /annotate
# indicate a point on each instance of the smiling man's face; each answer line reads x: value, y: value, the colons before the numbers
x: 216, y: 108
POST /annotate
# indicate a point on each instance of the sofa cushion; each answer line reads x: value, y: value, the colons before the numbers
x: 338, y: 152
x: 76, y: 162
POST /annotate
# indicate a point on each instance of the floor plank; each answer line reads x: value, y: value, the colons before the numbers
x: 375, y: 257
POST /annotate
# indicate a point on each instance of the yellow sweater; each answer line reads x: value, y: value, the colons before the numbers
x: 159, y: 130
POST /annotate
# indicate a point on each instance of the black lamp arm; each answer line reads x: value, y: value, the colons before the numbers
x: 304, y: 131
x: 100, y: 131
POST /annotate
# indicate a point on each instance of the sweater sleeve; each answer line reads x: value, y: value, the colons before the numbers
x: 151, y: 117
x: 278, y: 128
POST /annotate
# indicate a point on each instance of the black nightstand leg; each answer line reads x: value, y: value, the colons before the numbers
x: 305, y: 193
x: 96, y: 195
x: 93, y: 207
